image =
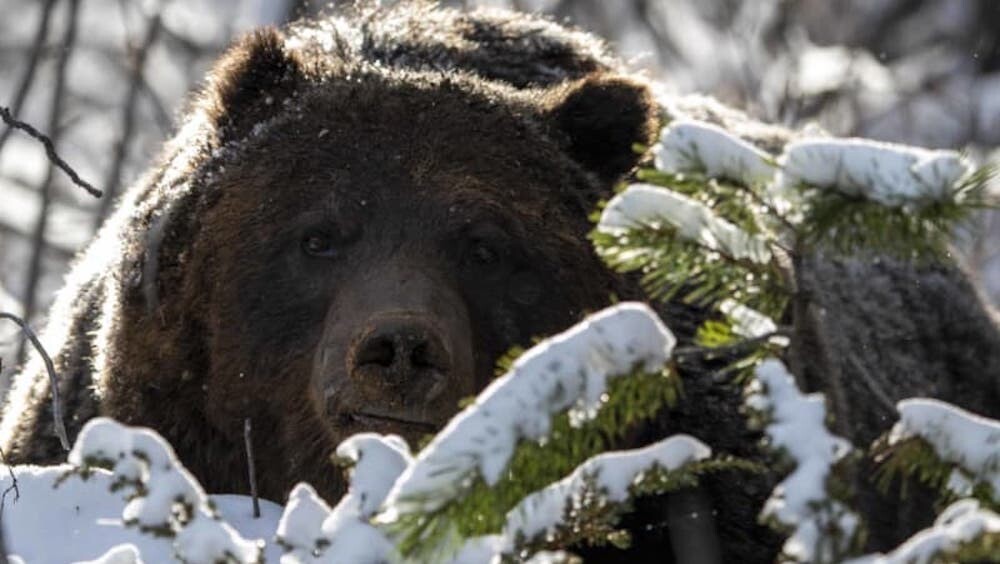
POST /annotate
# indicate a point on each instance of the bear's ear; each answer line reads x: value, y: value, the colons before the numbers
x: 601, y: 118
x: 253, y: 75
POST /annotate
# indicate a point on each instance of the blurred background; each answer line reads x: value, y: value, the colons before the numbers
x: 106, y: 78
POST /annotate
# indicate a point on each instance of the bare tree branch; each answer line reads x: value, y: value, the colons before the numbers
x: 57, y: 418
x: 138, y: 63
x: 11, y: 488
x: 251, y: 470
x: 50, y: 150
x: 55, y: 114
x: 37, y: 48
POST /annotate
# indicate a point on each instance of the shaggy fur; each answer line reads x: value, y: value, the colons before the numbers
x: 195, y: 307
x: 458, y: 154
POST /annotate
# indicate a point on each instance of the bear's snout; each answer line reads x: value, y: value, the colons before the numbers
x: 401, y: 350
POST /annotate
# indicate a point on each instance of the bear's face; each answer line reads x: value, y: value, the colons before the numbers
x: 351, y: 248
x: 388, y: 254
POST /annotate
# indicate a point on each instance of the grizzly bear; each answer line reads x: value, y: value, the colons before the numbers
x: 357, y: 216
x: 355, y: 219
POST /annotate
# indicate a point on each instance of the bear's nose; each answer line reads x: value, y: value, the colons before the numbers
x: 398, y: 349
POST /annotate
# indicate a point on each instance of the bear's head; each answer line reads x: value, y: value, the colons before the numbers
x: 351, y: 246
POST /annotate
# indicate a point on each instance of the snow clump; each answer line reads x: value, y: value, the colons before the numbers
x: 892, y: 175
x: 962, y: 522
x: 312, y: 532
x: 957, y: 436
x: 796, y: 426
x: 697, y: 146
x: 642, y: 205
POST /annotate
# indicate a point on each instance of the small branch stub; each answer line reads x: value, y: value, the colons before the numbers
x: 251, y: 471
x: 57, y: 418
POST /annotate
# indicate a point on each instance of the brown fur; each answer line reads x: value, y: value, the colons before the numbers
x: 195, y: 307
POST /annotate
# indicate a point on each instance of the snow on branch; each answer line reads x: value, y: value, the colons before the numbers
x: 612, y: 474
x: 163, y: 498
x: 311, y: 532
x: 643, y: 205
x: 696, y: 146
x: 796, y: 426
x: 962, y: 533
x: 605, y: 479
x: 566, y: 372
x: 892, y: 175
x: 957, y: 436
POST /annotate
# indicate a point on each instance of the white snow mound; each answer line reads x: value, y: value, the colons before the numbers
x: 957, y: 436
x: 892, y: 175
x: 695, y: 146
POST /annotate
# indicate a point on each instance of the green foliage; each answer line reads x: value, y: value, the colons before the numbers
x: 592, y: 520
x: 914, y: 458
x: 922, y: 230
x: 534, y: 465
x: 674, y: 268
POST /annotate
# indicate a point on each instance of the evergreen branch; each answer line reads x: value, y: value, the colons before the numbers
x: 672, y: 267
x: 851, y: 224
x: 914, y: 458
x: 482, y: 509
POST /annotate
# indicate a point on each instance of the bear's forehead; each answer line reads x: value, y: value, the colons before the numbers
x: 399, y: 143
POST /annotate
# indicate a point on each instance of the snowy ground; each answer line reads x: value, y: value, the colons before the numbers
x: 80, y: 519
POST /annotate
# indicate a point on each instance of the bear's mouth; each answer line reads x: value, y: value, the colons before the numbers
x: 378, y: 420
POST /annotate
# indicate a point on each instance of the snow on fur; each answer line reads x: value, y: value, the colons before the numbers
x: 796, y: 426
x: 960, y: 523
x: 892, y: 175
x: 163, y: 495
x: 644, y: 205
x: 696, y: 146
x: 567, y: 372
x: 957, y: 436
x: 312, y: 532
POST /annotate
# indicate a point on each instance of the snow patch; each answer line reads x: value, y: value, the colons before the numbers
x: 611, y: 473
x: 750, y: 323
x: 797, y: 426
x: 960, y: 523
x: 89, y: 517
x: 643, y: 205
x: 162, y: 495
x: 567, y: 372
x: 892, y: 175
x: 312, y: 532
x: 957, y: 436
x: 697, y: 146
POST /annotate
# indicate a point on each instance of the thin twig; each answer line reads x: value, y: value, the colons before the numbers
x: 50, y: 150
x: 11, y: 488
x: 57, y: 418
x: 137, y: 60
x: 248, y: 442
x: 37, y: 47
x: 724, y: 350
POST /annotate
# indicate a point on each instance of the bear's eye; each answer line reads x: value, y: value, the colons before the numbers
x: 318, y: 245
x: 483, y: 254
